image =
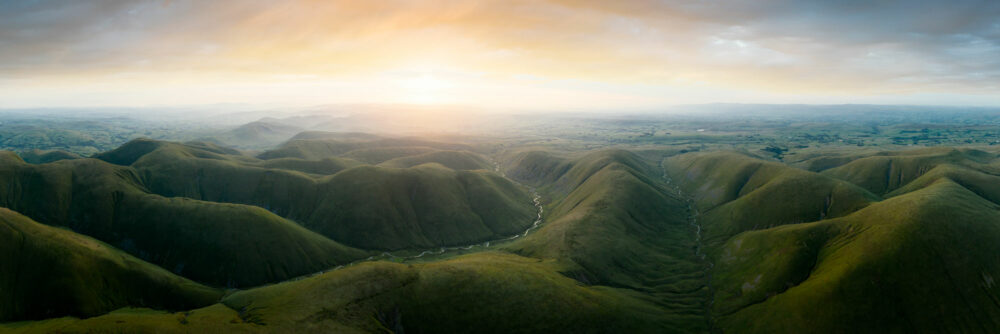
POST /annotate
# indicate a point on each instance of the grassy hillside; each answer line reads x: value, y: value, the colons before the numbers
x: 736, y: 193
x: 312, y: 146
x: 50, y: 272
x: 887, y: 171
x: 874, y: 242
x: 370, y: 207
x: 457, y: 160
x: 795, y: 251
x: 325, y: 166
x: 535, y: 167
x: 221, y: 244
x: 46, y: 156
x: 483, y: 293
x: 618, y: 226
x: 215, y: 318
x: 377, y: 155
x: 919, y: 262
x: 258, y: 135
x: 425, y: 206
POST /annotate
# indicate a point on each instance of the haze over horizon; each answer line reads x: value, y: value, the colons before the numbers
x: 555, y: 54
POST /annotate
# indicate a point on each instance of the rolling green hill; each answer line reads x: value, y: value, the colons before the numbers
x: 46, y: 156
x: 312, y: 145
x: 325, y: 166
x: 718, y: 241
x: 887, y: 171
x: 261, y: 134
x: 919, y: 262
x: 618, y: 226
x: 457, y: 160
x: 536, y: 168
x: 736, y: 193
x: 365, y: 206
x: 216, y: 243
x: 482, y: 293
x: 49, y: 272
x: 787, y: 260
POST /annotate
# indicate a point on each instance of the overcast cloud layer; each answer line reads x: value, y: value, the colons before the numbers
x: 509, y: 54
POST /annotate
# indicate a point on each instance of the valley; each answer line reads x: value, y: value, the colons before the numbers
x: 355, y: 232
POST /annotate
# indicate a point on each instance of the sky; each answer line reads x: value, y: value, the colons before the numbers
x: 505, y: 55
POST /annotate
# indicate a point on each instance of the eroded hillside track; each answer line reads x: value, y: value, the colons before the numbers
x: 693, y: 215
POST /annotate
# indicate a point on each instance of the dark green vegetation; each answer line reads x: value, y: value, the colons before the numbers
x: 55, y: 272
x: 882, y: 242
x: 371, y: 207
x: 650, y: 282
x: 616, y: 224
x: 732, y: 229
x: 216, y: 243
x: 41, y: 157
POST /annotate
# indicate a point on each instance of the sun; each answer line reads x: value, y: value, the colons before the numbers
x: 424, y: 88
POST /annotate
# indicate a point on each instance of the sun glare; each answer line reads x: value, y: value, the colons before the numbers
x: 425, y: 88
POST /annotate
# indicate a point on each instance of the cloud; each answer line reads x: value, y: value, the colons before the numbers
x: 808, y: 47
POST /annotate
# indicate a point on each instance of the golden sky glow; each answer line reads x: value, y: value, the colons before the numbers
x: 554, y: 54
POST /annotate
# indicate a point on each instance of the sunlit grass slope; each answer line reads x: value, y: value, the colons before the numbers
x: 457, y: 160
x: 788, y: 260
x: 924, y: 261
x: 885, y: 172
x: 736, y: 193
x: 618, y: 226
x: 50, y: 272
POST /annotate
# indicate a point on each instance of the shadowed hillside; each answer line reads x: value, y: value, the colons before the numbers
x: 221, y: 244
x: 50, y: 272
x: 736, y: 193
x: 919, y: 262
x: 618, y: 226
x: 364, y: 206
x: 482, y: 293
x: 535, y: 167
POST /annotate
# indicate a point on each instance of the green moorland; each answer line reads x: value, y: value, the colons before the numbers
x: 647, y: 240
x: 921, y: 260
x: 650, y: 282
x: 45, y: 156
x: 735, y: 192
x: 405, y: 203
x: 54, y: 272
x: 619, y: 225
x: 218, y: 243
